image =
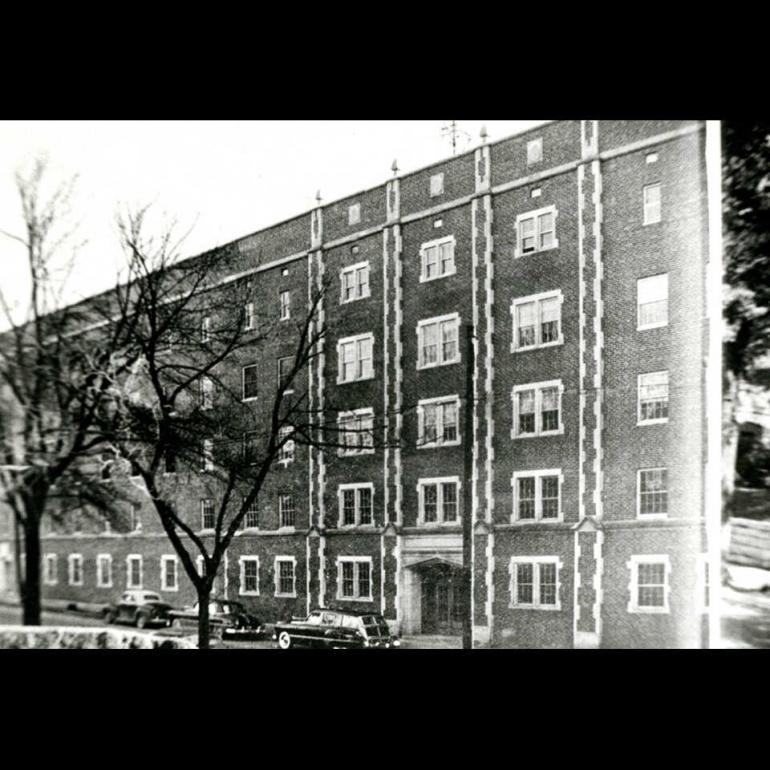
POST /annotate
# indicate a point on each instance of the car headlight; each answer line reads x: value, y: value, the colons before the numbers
x: 396, y: 642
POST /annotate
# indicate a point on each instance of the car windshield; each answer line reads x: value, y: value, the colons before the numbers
x: 314, y: 618
x: 151, y: 598
x: 373, y: 620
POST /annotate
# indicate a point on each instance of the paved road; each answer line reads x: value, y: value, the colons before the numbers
x: 745, y: 619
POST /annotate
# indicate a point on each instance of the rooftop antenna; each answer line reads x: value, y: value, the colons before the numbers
x: 454, y: 133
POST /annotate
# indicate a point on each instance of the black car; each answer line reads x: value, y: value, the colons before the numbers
x: 141, y: 608
x: 227, y: 619
x: 341, y: 629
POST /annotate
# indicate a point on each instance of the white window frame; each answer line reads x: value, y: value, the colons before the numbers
x: 538, y: 387
x: 207, y: 455
x: 647, y: 206
x: 71, y: 559
x: 277, y: 576
x: 287, y: 450
x: 536, y: 604
x: 657, y: 420
x: 341, y: 488
x: 206, y: 393
x: 205, y: 328
x: 245, y: 398
x: 134, y: 557
x: 656, y: 324
x: 536, y: 214
x: 254, y: 508
x: 281, y: 526
x: 633, y: 584
x: 437, y: 244
x: 51, y: 573
x: 537, y: 299
x: 356, y: 560
x: 136, y: 519
x: 248, y: 316
x: 354, y: 270
x: 355, y: 340
x: 537, y: 475
x: 290, y: 389
x: 284, y: 299
x: 164, y: 585
x: 438, y: 481
x: 650, y: 516
x: 102, y: 559
x: 205, y: 500
x: 355, y: 415
x: 437, y: 402
x: 440, y: 320
x: 535, y: 151
x: 242, y: 560
x: 437, y: 184
x: 354, y: 214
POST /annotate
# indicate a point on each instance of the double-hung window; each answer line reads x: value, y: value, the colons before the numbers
x: 355, y: 504
x: 285, y: 366
x: 134, y: 571
x: 75, y: 564
x: 285, y: 576
x: 537, y: 321
x: 287, y: 513
x: 536, y: 231
x: 208, y: 517
x: 249, y: 380
x: 535, y: 582
x: 286, y: 452
x: 250, y: 447
x: 249, y: 575
x: 649, y: 584
x: 437, y: 259
x: 248, y: 316
x: 438, y: 500
x: 652, y: 301
x: 251, y: 518
x: 354, y: 356
x: 354, y: 282
x: 50, y: 575
x: 537, y: 495
x: 652, y: 487
x: 535, y: 151
x: 354, y: 578
x: 437, y: 422
x: 168, y: 573
x: 437, y: 341
x: 653, y: 398
x: 355, y: 432
x: 537, y: 409
x: 285, y: 303
x: 652, y: 199
x: 104, y: 570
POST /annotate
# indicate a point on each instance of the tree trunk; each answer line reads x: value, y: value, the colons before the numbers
x: 204, y: 592
x: 730, y: 435
x: 31, y: 597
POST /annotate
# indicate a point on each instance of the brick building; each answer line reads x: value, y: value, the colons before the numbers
x: 578, y: 252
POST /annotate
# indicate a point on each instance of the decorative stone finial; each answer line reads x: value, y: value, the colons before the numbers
x: 318, y: 197
x: 484, y: 134
x: 394, y: 168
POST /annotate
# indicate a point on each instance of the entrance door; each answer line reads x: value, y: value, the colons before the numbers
x: 442, y: 606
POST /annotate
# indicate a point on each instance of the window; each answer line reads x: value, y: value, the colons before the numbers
x: 537, y: 409
x: 438, y: 223
x: 354, y: 356
x: 536, y: 231
x: 135, y: 522
x: 249, y: 579
x: 250, y: 447
x: 649, y: 585
x: 208, y: 454
x: 652, y: 200
x: 354, y: 214
x: 354, y: 578
x: 356, y: 436
x: 208, y: 517
x: 537, y: 321
x: 287, y: 514
x: 75, y: 569
x: 251, y: 519
x: 248, y: 316
x: 104, y: 570
x: 50, y: 576
x: 205, y: 329
x: 653, y: 398
x: 535, y: 582
x: 286, y: 452
x: 436, y: 185
x: 285, y: 299
x: 354, y: 282
x: 534, y: 151
x: 285, y: 569
x: 651, y: 157
x: 437, y: 341
x: 134, y: 571
x: 437, y: 422
x: 206, y: 393
x: 536, y: 495
x: 652, y: 301
x: 249, y: 382
x: 355, y: 504
x: 535, y: 192
x: 168, y: 573
x: 285, y: 366
x: 438, y: 500
x: 437, y: 259
x: 653, y: 492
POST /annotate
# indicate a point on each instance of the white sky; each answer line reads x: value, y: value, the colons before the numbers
x: 223, y: 178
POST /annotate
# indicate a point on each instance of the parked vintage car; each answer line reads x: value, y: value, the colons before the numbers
x: 342, y: 629
x: 138, y: 607
x: 227, y: 619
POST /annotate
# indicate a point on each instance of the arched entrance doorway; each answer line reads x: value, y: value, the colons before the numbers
x: 442, y: 599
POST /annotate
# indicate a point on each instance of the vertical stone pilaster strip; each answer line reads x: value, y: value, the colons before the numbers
x: 399, y: 373
x: 598, y: 339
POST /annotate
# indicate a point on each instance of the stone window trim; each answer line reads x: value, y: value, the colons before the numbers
x: 649, y: 516
x: 538, y: 387
x: 341, y: 488
x: 277, y: 576
x: 354, y: 214
x: 633, y: 565
x: 537, y: 475
x: 164, y: 584
x: 657, y: 420
x: 244, y: 397
x: 437, y: 244
x: 355, y: 560
x: 50, y: 572
x: 439, y: 442
x: 242, y: 561
x: 353, y: 270
x: 355, y: 339
x: 535, y: 214
x: 355, y: 415
x: 652, y: 203
x: 440, y: 320
x: 75, y: 576
x: 134, y: 557
x: 536, y: 603
x: 538, y: 299
x: 438, y: 482
x: 103, y: 559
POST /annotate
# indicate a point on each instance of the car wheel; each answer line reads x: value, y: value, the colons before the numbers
x: 141, y: 620
x: 284, y: 640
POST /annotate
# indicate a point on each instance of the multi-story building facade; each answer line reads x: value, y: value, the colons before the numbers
x: 577, y: 252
